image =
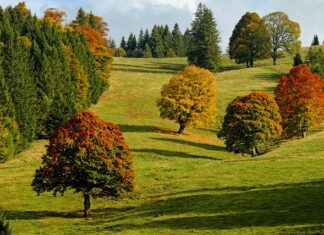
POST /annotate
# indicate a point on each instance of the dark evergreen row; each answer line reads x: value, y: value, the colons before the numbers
x: 159, y: 43
x: 47, y: 74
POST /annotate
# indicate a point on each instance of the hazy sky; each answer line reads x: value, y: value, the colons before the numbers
x: 125, y: 16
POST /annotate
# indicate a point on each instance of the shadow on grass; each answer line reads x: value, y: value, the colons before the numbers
x: 270, y: 206
x: 176, y: 154
x: 156, y: 67
x: 268, y: 77
x: 33, y: 215
x: 195, y: 144
x: 138, y: 128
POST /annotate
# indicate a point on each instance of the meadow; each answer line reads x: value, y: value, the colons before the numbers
x: 185, y: 184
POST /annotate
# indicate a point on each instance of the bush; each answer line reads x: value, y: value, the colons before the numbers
x: 119, y: 52
x: 88, y: 155
x: 138, y: 53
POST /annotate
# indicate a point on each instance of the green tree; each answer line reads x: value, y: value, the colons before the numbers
x: 167, y: 39
x: 315, y: 41
x: 156, y: 42
x: 298, y: 59
x: 203, y: 50
x: 177, y: 41
x: 141, y: 40
x: 189, y: 98
x: 81, y: 16
x: 284, y: 34
x: 250, y: 40
x: 315, y: 60
x: 123, y: 44
x: 250, y: 123
x: 186, y: 41
x: 131, y: 44
x: 89, y: 156
x: 147, y: 51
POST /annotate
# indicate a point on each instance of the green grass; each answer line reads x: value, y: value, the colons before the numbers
x: 184, y: 184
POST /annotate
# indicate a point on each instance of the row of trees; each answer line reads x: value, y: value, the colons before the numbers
x: 160, y: 42
x: 253, y: 122
x: 314, y: 59
x: 258, y: 38
x: 48, y: 72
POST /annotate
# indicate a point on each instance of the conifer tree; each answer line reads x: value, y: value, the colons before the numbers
x: 141, y: 41
x: 204, y: 50
x: 123, y: 44
x: 315, y: 41
x: 177, y: 41
x: 157, y: 45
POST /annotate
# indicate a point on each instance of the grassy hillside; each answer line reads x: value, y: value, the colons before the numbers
x: 184, y: 184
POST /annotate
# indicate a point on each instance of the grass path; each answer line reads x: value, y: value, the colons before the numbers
x: 184, y: 184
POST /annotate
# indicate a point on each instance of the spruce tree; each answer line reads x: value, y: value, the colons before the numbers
x: 177, y: 41
x: 80, y: 17
x: 297, y: 59
x: 204, y: 50
x: 186, y: 41
x: 141, y: 41
x: 123, y: 44
x: 167, y: 40
x: 315, y: 41
x: 157, y: 45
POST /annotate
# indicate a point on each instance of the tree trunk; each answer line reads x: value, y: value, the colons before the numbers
x: 254, y: 152
x: 274, y: 57
x: 304, y: 134
x: 86, y: 205
x: 251, y: 63
x: 247, y: 64
x: 182, y: 127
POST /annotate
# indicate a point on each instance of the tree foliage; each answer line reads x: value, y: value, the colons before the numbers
x: 300, y: 97
x: 89, y: 156
x: 189, y: 98
x: 315, y: 60
x: 250, y: 40
x: 298, y: 59
x: 284, y: 34
x: 48, y: 72
x: 251, y: 123
x: 315, y: 41
x: 203, y: 49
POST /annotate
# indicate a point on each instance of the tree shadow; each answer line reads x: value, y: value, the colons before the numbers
x: 195, y: 144
x: 33, y: 215
x: 138, y: 128
x: 169, y: 66
x: 270, y: 206
x: 176, y: 154
x: 157, y: 67
x: 268, y: 77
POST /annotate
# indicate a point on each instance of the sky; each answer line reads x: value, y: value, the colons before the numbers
x: 126, y: 16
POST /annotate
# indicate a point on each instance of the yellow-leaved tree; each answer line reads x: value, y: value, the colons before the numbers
x: 189, y: 98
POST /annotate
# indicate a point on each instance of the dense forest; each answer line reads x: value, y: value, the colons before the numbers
x: 48, y: 72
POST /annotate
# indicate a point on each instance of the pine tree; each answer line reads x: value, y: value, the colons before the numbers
x: 315, y: 41
x: 131, y: 44
x: 186, y: 41
x: 81, y: 17
x: 177, y: 41
x: 204, y: 50
x: 123, y: 44
x: 157, y: 45
x: 167, y: 40
x: 297, y: 59
x: 141, y: 41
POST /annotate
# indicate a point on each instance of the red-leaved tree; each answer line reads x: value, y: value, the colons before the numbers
x: 300, y: 98
x: 89, y: 156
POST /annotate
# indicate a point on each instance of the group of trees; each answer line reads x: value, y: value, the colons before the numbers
x: 160, y: 42
x: 257, y: 38
x: 48, y: 72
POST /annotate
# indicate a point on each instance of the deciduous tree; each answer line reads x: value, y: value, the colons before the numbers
x: 250, y: 40
x: 284, y: 33
x: 300, y: 97
x: 89, y: 156
x: 250, y: 123
x: 189, y: 98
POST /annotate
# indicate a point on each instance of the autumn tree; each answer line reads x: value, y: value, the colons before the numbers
x: 284, y: 34
x: 250, y: 123
x: 250, y: 40
x: 89, y: 156
x: 300, y: 97
x: 189, y: 98
x: 54, y: 16
x: 203, y: 49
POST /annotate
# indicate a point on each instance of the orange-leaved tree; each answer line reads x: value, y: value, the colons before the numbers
x: 251, y: 123
x: 300, y: 97
x: 189, y: 98
x: 89, y: 156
